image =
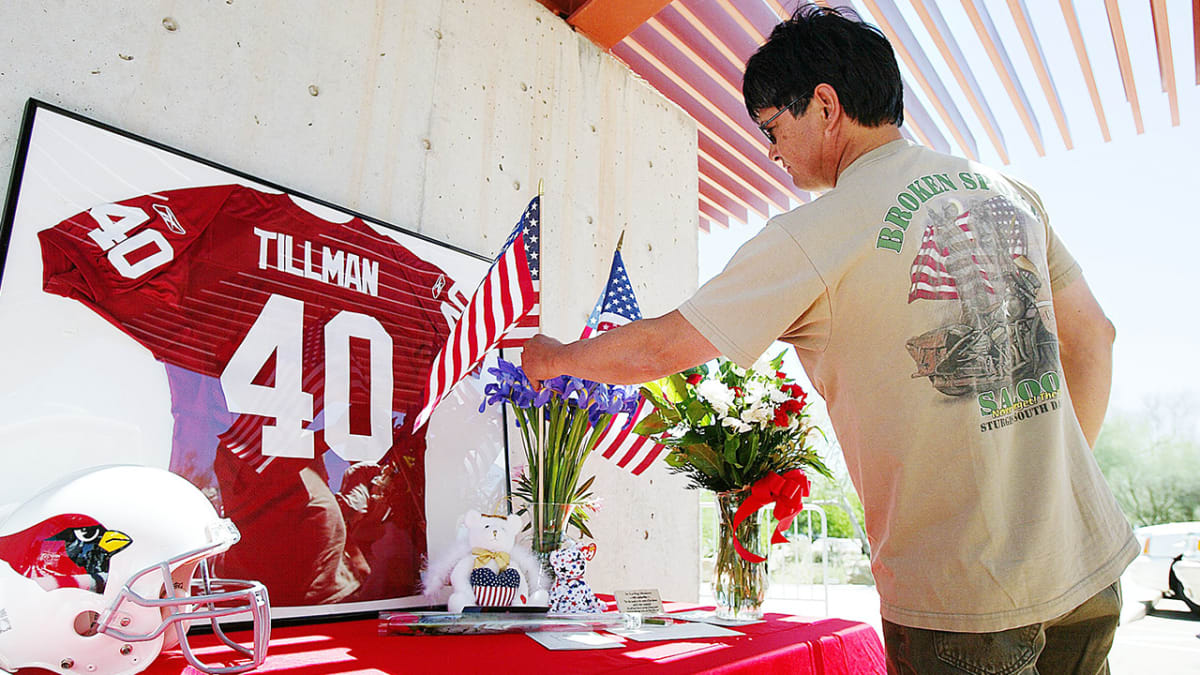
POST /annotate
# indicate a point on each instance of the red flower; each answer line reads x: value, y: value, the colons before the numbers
x: 738, y: 392
x: 694, y: 379
x: 795, y: 391
x: 781, y: 418
x: 781, y: 375
x: 791, y: 406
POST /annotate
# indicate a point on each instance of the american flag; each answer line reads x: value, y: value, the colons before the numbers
x: 617, y: 307
x: 503, y: 312
x: 930, y: 278
x: 948, y: 251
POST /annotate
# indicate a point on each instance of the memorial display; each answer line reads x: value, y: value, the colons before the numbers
x: 308, y: 375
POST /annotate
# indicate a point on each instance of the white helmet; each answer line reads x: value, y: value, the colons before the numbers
x: 96, y: 575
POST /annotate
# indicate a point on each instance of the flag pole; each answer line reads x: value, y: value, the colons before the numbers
x: 540, y: 508
x: 621, y: 240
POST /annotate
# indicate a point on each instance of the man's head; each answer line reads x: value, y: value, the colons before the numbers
x: 820, y: 44
x: 824, y: 88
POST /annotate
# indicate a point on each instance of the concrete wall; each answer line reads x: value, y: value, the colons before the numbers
x: 440, y: 116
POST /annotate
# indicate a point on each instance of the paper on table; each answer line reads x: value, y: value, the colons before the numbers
x: 711, y: 617
x: 561, y: 641
x: 677, y: 631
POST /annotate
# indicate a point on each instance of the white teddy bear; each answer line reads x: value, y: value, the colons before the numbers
x: 486, y: 568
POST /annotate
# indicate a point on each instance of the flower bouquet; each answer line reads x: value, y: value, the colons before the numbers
x: 559, y: 427
x: 744, y: 435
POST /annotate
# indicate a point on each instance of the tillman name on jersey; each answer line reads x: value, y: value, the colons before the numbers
x: 279, y: 251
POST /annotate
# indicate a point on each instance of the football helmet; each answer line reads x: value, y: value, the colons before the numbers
x: 98, y: 574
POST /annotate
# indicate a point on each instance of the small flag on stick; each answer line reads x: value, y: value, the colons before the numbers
x: 503, y: 312
x: 617, y: 306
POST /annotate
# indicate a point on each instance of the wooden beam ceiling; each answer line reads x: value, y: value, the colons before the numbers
x: 693, y: 52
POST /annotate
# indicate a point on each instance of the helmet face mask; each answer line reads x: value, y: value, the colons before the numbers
x: 97, y: 576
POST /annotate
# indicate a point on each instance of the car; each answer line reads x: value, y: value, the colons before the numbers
x: 1169, y: 564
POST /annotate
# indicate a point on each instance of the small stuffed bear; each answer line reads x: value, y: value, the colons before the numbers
x: 570, y: 594
x: 490, y: 570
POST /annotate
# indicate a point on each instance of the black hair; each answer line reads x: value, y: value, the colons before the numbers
x: 831, y: 45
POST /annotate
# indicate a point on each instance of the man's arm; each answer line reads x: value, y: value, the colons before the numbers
x: 1085, y: 339
x: 637, y: 352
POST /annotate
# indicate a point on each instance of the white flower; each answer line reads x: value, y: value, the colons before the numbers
x: 756, y: 390
x: 679, y: 430
x: 762, y: 365
x: 778, y: 395
x: 736, y: 424
x: 758, y: 414
x: 737, y: 370
x: 716, y: 394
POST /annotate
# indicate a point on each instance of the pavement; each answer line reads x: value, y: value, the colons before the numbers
x: 1155, y: 636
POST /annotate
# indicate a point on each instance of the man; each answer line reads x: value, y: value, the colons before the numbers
x: 965, y: 363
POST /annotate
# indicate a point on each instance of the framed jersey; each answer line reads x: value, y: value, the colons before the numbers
x: 272, y: 348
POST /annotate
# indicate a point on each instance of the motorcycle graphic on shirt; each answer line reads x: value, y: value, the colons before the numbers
x: 978, y: 255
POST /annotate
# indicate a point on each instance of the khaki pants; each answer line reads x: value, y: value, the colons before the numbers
x: 1076, y: 642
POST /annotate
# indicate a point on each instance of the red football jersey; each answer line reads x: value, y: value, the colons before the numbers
x: 312, y: 335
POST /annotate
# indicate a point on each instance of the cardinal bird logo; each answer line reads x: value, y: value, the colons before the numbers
x: 66, y: 551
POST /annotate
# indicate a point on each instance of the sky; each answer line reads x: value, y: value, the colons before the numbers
x: 1121, y: 207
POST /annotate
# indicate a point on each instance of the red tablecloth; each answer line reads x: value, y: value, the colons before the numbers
x: 782, y: 644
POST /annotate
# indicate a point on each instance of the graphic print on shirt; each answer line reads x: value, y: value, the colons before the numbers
x: 295, y: 350
x: 1000, y: 345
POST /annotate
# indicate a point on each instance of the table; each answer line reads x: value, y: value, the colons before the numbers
x: 782, y: 644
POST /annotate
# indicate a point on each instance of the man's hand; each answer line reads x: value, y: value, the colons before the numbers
x: 639, y: 351
x: 537, y: 359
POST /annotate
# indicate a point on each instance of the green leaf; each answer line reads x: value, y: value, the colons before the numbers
x: 675, y: 387
x: 777, y: 362
x: 651, y: 425
x: 583, y: 488
x: 752, y: 451
x: 696, y: 412
x: 732, y: 443
x: 653, y: 392
x: 703, y: 458
x: 583, y: 529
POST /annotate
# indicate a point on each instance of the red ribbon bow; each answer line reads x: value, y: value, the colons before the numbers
x: 787, y: 491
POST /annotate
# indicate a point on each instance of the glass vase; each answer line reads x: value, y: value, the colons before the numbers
x: 548, y: 525
x: 547, y: 532
x: 739, y: 586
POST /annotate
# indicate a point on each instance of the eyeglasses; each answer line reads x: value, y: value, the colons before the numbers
x: 763, y: 125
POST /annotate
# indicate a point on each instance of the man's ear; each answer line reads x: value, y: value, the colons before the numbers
x: 826, y: 98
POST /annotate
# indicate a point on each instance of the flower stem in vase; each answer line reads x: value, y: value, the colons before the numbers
x: 739, y: 586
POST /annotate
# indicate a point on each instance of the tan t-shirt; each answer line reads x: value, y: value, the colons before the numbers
x: 917, y: 295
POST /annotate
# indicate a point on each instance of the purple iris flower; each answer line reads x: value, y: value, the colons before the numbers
x: 597, y: 399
